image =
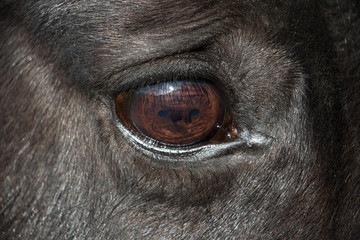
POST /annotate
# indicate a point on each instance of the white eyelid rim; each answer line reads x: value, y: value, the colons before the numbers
x: 246, y: 138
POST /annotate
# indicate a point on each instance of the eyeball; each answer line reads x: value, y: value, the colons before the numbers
x: 176, y: 113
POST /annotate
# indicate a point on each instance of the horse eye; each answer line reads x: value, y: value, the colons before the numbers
x: 174, y: 113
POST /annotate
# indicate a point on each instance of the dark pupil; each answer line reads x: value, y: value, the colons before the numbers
x: 179, y: 115
x: 182, y: 112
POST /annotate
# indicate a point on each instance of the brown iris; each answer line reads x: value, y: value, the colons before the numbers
x: 176, y: 113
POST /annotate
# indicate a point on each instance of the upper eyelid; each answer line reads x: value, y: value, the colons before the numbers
x: 154, y: 72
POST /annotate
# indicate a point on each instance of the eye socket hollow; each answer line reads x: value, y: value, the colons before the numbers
x: 177, y: 113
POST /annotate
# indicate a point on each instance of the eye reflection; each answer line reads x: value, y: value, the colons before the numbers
x: 176, y: 113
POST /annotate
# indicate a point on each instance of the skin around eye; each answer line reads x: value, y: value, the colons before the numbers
x: 175, y: 113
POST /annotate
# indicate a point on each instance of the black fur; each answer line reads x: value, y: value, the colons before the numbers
x: 289, y: 71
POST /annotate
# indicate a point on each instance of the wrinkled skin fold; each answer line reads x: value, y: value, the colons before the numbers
x: 289, y: 74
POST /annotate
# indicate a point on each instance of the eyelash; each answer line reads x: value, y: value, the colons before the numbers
x: 158, y: 71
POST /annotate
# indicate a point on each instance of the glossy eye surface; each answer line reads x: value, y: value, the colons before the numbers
x: 174, y: 113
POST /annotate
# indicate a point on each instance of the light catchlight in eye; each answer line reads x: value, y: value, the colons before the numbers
x: 179, y: 113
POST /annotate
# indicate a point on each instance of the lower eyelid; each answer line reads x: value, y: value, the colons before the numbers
x: 248, y: 143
